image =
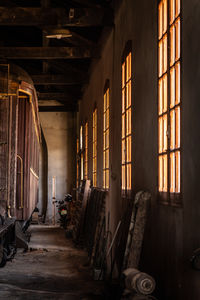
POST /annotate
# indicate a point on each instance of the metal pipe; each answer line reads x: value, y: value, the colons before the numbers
x: 22, y: 176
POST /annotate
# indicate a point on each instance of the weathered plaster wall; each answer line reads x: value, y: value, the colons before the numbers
x: 172, y: 232
x: 59, y: 131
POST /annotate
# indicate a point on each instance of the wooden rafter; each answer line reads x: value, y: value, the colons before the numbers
x: 34, y: 16
x: 63, y: 97
x: 50, y: 79
x: 47, y: 52
x: 64, y: 108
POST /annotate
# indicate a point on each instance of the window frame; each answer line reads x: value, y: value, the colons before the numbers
x: 86, y: 150
x: 106, y: 136
x: 94, y: 147
x: 169, y: 197
x: 126, y: 192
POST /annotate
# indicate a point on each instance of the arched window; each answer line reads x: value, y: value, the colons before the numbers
x: 169, y: 100
x: 126, y: 138
x: 106, y: 132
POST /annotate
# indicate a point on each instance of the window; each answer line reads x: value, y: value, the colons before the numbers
x: 77, y: 163
x: 94, y: 155
x: 81, y: 137
x: 81, y: 151
x: 106, y: 140
x: 86, y: 151
x: 126, y: 139
x: 169, y: 99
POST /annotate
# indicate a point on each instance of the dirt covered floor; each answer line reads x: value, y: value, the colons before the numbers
x: 51, y: 269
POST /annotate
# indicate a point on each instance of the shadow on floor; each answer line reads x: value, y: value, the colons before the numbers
x: 52, y: 269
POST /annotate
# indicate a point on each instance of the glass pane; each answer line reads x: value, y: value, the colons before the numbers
x: 104, y: 159
x: 160, y: 98
x: 165, y: 93
x: 104, y: 140
x: 107, y: 179
x: 165, y: 173
x: 128, y: 94
x: 178, y: 184
x: 108, y: 92
x: 160, y: 58
x: 123, y: 178
x: 172, y: 129
x: 81, y: 137
x: 177, y: 127
x: 128, y: 149
x: 123, y: 100
x: 107, y: 118
x: 128, y: 121
x: 172, y: 87
x: 128, y: 67
x: 172, y: 45
x: 104, y: 102
x: 160, y: 135
x: 165, y: 53
x: 177, y: 26
x: 94, y: 179
x: 160, y: 174
x: 123, y: 74
x: 123, y: 151
x: 178, y: 5
x: 107, y: 159
x: 123, y: 125
x: 172, y: 172
x: 164, y: 16
x: 128, y: 169
x: 164, y: 133
x: 107, y: 139
x: 172, y: 11
x: 160, y: 21
x: 177, y: 68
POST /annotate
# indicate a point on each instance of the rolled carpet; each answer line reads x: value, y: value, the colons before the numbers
x: 138, y: 281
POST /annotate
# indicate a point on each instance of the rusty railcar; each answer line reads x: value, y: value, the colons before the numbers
x: 19, y: 143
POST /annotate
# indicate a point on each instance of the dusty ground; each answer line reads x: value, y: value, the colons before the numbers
x: 52, y: 269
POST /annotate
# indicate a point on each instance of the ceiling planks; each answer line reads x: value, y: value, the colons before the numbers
x: 52, y: 79
x: 34, y: 16
x: 47, y: 52
x: 59, y: 64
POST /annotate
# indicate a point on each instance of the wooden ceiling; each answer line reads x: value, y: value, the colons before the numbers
x: 55, y: 42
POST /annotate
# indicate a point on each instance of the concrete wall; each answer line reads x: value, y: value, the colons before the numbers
x: 59, y: 131
x: 172, y: 232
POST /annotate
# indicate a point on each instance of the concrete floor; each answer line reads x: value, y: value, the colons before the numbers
x: 52, y: 269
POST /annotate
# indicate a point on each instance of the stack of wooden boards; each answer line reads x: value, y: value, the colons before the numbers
x: 89, y: 221
x: 91, y: 228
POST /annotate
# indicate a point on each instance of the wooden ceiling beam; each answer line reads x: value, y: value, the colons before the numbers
x: 63, y: 97
x: 47, y: 52
x: 87, y: 3
x: 50, y: 79
x: 64, y: 108
x: 34, y: 16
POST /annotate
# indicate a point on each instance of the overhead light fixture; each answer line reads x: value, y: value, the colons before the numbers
x: 58, y: 36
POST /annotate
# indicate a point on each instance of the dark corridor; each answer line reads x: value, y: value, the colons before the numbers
x: 99, y: 149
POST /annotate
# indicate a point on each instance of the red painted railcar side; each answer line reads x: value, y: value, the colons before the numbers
x: 19, y: 150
